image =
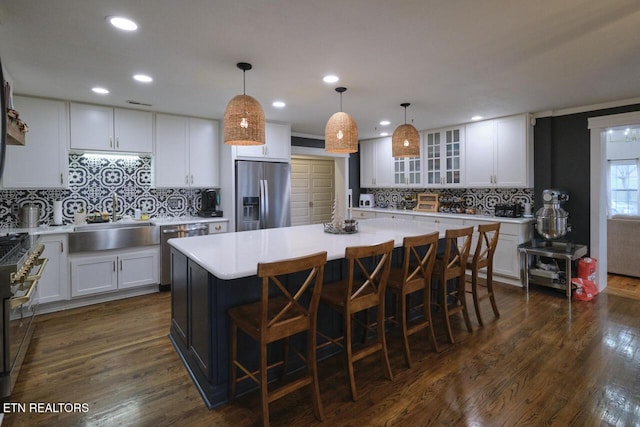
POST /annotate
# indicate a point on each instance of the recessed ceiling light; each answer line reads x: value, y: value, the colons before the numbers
x: 474, y: 118
x: 100, y: 90
x: 384, y: 134
x: 330, y: 78
x: 143, y: 78
x: 385, y: 123
x: 122, y: 23
x: 279, y: 104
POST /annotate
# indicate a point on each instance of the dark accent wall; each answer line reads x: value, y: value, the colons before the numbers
x: 562, y: 160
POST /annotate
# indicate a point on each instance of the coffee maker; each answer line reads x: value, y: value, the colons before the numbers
x: 209, y: 204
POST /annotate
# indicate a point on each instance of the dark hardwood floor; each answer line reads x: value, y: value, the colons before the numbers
x: 544, y: 362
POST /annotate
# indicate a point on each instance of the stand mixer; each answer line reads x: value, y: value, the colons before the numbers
x: 551, y: 218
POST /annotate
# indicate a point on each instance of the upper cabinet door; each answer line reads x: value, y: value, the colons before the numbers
x: 443, y: 156
x: 513, y: 168
x: 91, y: 127
x: 97, y: 128
x: 133, y: 130
x: 481, y: 139
x: 204, y: 155
x: 43, y: 162
x: 367, y: 151
x: 376, y: 163
x: 171, y: 161
x: 499, y: 153
x: 277, y: 145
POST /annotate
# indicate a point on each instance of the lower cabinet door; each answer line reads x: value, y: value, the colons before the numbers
x: 54, y: 284
x: 93, y: 274
x: 505, y: 259
x: 139, y: 268
x: 200, y: 339
x: 179, y: 295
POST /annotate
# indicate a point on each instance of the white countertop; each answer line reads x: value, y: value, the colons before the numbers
x: 447, y: 215
x: 234, y: 255
x: 69, y: 228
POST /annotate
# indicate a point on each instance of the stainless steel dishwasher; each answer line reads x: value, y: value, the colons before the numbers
x: 172, y: 231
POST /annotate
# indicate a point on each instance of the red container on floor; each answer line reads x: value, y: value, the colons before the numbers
x: 587, y: 268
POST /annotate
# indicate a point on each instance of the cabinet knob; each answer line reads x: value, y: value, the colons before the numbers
x: 110, y: 142
x: 218, y: 227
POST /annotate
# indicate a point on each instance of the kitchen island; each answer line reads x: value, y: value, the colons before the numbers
x: 212, y: 273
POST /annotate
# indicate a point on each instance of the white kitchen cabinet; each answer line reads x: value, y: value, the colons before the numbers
x: 359, y: 214
x: 43, y: 162
x: 506, y: 261
x: 443, y: 157
x: 376, y: 163
x: 439, y: 220
x: 99, y: 128
x: 187, y: 152
x: 139, y: 268
x: 98, y: 272
x: 277, y: 145
x: 407, y: 172
x: 498, y: 153
x: 93, y: 274
x: 54, y: 285
x: 218, y: 227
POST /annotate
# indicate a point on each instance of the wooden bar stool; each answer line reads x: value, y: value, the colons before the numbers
x: 414, y: 276
x: 483, y: 258
x: 362, y: 289
x: 453, y: 266
x: 278, y: 317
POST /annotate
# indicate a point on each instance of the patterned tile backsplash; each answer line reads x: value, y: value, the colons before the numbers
x: 93, y: 179
x: 482, y: 199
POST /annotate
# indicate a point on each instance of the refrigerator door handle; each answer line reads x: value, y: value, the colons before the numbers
x: 262, y: 205
x: 266, y: 203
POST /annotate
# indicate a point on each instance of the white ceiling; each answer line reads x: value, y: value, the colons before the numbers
x: 451, y: 59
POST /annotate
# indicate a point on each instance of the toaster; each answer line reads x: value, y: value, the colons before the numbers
x: 508, y: 211
x: 366, y: 200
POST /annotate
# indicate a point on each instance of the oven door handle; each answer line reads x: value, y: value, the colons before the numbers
x: 32, y: 282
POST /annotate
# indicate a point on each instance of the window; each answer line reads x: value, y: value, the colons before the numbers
x: 623, y: 187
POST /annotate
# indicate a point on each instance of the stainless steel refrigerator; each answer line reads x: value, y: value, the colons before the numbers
x: 263, y: 195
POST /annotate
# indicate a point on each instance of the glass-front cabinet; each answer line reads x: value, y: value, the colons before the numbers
x: 443, y: 157
x: 407, y: 171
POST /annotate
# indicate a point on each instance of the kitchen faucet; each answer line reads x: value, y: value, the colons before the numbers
x: 114, y: 207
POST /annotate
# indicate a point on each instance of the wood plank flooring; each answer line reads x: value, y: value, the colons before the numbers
x: 624, y: 286
x: 544, y: 362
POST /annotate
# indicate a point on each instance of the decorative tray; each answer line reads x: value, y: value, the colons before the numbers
x: 350, y: 226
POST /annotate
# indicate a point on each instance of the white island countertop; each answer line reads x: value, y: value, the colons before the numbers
x: 235, y: 255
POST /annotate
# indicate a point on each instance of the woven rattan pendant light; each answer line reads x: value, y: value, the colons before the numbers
x: 243, y: 117
x: 405, y: 141
x: 341, y: 132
